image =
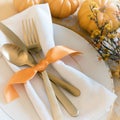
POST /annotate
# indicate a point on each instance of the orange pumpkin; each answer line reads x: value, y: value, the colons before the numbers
x: 62, y: 8
x: 104, y: 10
x: 23, y: 4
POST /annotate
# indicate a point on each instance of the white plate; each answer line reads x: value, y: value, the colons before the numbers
x: 88, y: 64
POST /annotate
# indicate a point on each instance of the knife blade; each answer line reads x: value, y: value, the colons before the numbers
x: 69, y: 107
x: 12, y: 36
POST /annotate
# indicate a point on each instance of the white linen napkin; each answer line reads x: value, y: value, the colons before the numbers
x: 4, y: 116
x: 95, y: 100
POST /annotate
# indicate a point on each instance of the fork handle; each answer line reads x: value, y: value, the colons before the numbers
x: 55, y: 108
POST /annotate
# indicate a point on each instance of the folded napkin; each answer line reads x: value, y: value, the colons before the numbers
x: 4, y: 116
x: 95, y: 100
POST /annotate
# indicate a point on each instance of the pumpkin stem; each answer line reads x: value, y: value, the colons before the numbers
x: 102, y: 9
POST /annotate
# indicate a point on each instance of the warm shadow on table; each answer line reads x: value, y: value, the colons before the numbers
x: 5, y: 13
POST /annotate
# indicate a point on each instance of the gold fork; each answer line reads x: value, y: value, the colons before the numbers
x: 55, y: 108
x: 32, y: 43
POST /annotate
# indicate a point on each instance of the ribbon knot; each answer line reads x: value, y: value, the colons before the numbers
x: 22, y: 76
x: 41, y: 66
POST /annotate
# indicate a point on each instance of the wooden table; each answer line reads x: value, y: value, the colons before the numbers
x: 7, y: 9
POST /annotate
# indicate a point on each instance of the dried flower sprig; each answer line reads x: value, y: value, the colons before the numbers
x: 105, y: 38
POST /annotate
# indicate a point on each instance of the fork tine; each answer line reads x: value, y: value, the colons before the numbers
x: 30, y: 33
x: 31, y: 29
x: 35, y: 33
x: 25, y: 33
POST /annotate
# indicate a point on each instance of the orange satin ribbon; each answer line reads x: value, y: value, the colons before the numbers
x: 24, y: 75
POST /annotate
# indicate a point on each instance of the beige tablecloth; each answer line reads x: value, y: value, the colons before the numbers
x: 7, y: 9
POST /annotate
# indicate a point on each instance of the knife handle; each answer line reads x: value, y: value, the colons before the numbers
x: 70, y: 108
x: 66, y: 85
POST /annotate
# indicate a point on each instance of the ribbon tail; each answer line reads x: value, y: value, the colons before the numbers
x: 10, y: 93
x: 19, y: 77
x: 58, y: 52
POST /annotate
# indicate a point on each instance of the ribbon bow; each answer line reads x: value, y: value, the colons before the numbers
x: 24, y: 75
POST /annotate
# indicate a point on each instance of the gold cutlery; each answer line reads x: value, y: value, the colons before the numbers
x: 12, y: 37
x: 15, y: 39
x: 33, y: 44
